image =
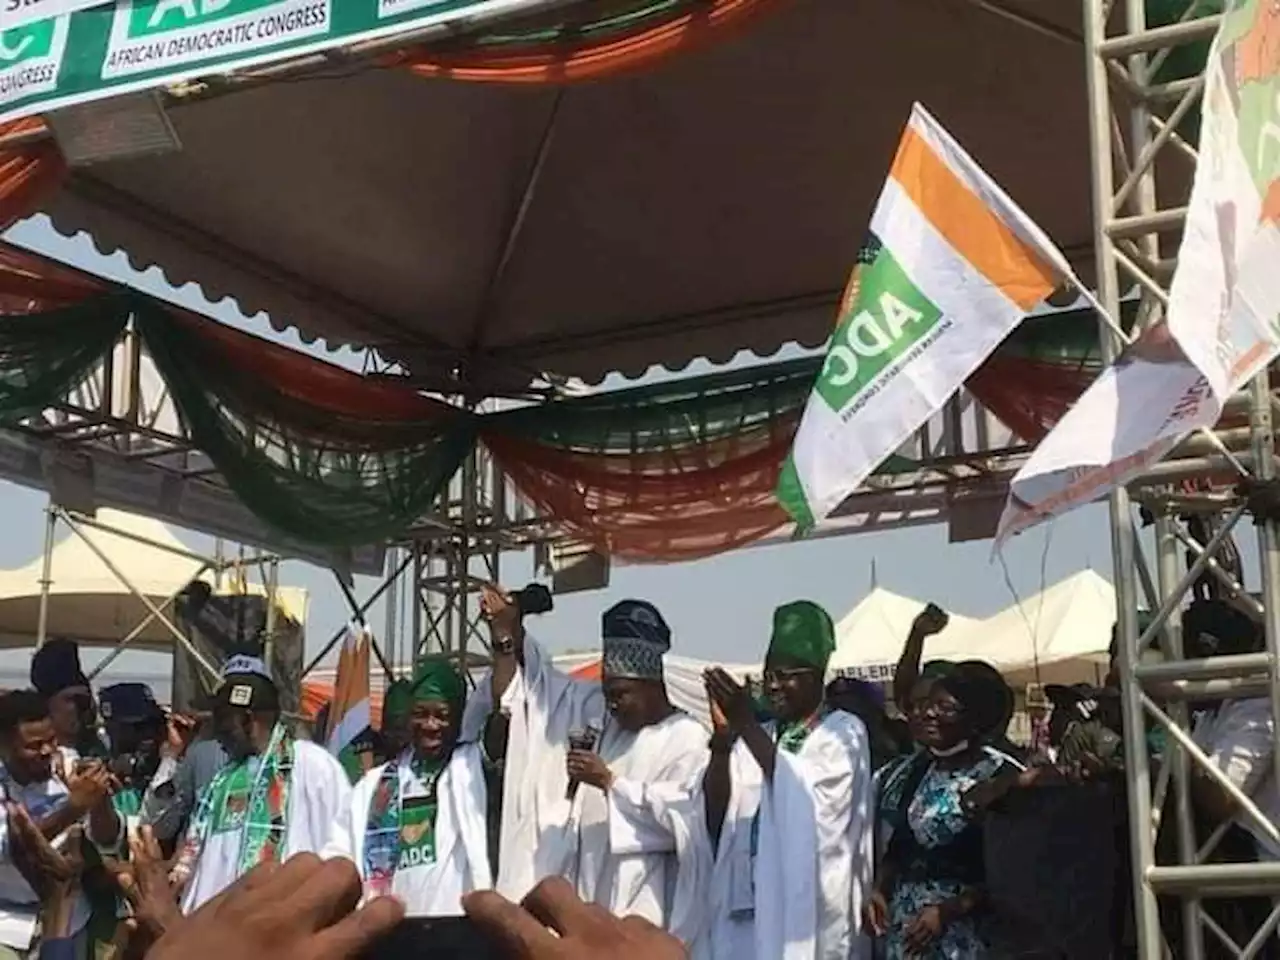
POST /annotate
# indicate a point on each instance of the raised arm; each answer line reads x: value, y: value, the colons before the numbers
x: 931, y: 620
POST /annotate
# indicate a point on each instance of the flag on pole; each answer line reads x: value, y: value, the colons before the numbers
x: 950, y: 268
x: 1224, y: 302
x: 349, y: 715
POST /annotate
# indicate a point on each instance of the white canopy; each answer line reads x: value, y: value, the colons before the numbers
x: 870, y: 637
x: 1059, y: 635
x: 89, y: 603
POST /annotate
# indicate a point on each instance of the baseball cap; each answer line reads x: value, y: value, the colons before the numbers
x: 247, y: 685
x: 128, y: 703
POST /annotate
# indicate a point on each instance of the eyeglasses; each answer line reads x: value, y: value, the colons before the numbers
x: 782, y: 674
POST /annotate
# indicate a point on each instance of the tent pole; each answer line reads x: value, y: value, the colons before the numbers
x: 46, y: 573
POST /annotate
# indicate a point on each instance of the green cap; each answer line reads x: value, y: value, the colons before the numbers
x: 436, y: 678
x: 803, y: 632
x: 397, y: 702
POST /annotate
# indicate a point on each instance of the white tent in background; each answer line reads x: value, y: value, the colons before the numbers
x: 870, y: 637
x: 1059, y: 635
x: 89, y: 603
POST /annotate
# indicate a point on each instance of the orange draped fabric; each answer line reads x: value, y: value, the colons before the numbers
x: 652, y: 515
x: 568, y: 63
x: 29, y: 172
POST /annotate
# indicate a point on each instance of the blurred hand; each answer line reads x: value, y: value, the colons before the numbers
x: 181, y: 731
x: 931, y: 621
x: 554, y: 924
x: 304, y: 909
x: 145, y: 884
x: 586, y: 766
x: 924, y: 928
x: 719, y: 724
x: 731, y: 697
x: 875, y: 915
x: 501, y: 611
x: 48, y: 871
x: 89, y: 786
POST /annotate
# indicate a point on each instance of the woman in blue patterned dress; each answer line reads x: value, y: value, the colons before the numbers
x: 929, y: 883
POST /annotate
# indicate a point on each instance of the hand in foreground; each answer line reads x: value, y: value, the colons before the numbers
x: 48, y: 871
x: 304, y: 909
x: 145, y: 884
x: 553, y: 924
x: 587, y: 766
x: 731, y: 697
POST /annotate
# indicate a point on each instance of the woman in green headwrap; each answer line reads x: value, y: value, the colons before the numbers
x: 416, y: 826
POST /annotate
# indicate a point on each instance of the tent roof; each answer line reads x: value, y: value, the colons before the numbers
x: 1069, y: 620
x: 873, y: 632
x: 710, y: 204
x: 88, y: 602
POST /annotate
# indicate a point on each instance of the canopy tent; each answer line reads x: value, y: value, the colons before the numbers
x: 870, y: 637
x: 1059, y: 635
x: 482, y: 232
x: 89, y: 603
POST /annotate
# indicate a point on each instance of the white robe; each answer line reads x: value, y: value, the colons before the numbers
x: 461, y: 844
x: 626, y: 856
x: 801, y: 896
x: 545, y: 706
x: 318, y: 793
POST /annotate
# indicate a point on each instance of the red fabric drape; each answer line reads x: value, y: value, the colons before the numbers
x: 711, y: 21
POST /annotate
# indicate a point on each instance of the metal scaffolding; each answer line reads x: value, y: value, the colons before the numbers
x: 1142, y: 170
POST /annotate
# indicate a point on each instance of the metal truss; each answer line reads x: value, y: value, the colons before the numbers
x: 1142, y: 171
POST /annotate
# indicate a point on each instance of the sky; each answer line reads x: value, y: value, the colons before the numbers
x: 719, y: 608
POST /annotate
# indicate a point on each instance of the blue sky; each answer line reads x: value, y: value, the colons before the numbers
x: 719, y: 608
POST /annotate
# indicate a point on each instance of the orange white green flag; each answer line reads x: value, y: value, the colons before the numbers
x: 950, y: 268
x: 349, y: 713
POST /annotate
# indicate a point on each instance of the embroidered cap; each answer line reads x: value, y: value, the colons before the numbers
x: 634, y: 637
x: 803, y: 633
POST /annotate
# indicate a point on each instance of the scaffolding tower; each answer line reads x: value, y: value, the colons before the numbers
x: 1142, y: 168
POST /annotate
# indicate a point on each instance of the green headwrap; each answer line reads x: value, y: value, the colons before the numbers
x: 397, y: 702
x: 803, y: 632
x: 436, y: 678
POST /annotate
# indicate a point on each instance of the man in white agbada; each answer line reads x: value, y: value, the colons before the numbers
x: 787, y: 807
x: 625, y: 856
x: 277, y: 796
x: 415, y: 827
x: 523, y: 714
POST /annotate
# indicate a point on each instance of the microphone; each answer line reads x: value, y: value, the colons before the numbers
x: 584, y: 739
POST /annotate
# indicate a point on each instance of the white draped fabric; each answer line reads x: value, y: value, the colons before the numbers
x: 625, y: 855
x: 545, y: 706
x: 462, y: 858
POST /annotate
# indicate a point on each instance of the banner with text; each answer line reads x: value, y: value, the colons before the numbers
x: 130, y: 45
x: 1223, y: 304
x: 18, y: 13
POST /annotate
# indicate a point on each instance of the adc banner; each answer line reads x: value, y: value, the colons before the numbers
x: 77, y: 55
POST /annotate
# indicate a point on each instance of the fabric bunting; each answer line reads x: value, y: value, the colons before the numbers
x: 314, y: 450
x: 604, y: 39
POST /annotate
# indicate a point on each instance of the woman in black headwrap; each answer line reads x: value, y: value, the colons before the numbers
x: 930, y: 881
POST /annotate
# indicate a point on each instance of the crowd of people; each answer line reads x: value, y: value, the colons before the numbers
x: 812, y: 821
